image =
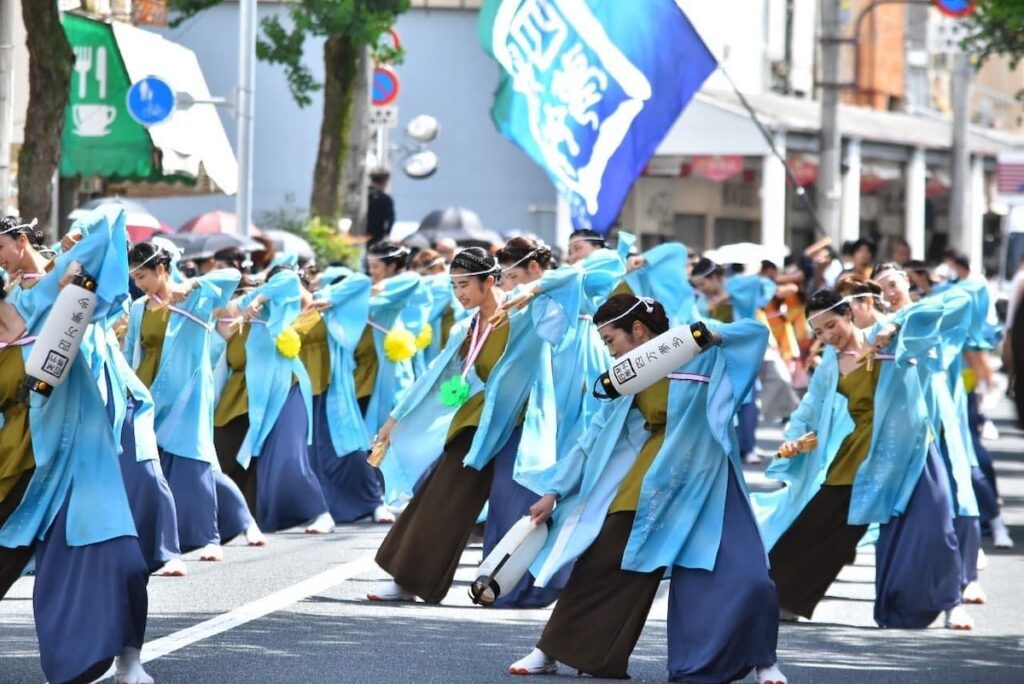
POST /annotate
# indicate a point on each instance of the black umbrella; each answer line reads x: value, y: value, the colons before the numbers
x: 459, y: 224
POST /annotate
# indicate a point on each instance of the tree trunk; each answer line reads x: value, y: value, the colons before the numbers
x: 50, y: 61
x: 353, y: 170
x: 341, y: 60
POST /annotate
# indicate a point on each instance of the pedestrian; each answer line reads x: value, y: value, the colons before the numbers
x: 380, y: 208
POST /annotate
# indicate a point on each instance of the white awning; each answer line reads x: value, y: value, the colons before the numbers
x: 192, y: 140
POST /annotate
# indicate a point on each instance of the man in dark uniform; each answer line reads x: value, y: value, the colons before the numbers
x: 380, y: 212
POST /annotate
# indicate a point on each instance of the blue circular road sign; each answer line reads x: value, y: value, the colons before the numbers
x: 955, y: 8
x: 151, y: 101
x: 384, y: 86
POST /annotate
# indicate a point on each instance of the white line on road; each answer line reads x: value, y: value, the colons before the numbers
x: 254, y: 610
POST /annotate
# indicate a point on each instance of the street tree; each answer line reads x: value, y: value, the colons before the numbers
x: 996, y: 28
x: 351, y: 30
x: 50, y: 62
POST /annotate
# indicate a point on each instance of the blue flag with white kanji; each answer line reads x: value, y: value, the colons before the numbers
x: 590, y: 87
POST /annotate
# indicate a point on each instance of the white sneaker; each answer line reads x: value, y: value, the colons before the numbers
x: 752, y: 458
x: 173, y: 568
x: 211, y: 552
x: 770, y: 675
x: 254, y: 535
x: 1000, y: 534
x: 383, y: 515
x: 537, y: 662
x: 959, y: 619
x: 323, y: 524
x: 391, y: 591
x: 128, y: 668
x: 989, y: 431
x: 786, y: 615
x: 973, y: 593
x: 982, y: 560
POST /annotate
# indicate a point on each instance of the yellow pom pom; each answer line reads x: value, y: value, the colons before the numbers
x: 970, y: 380
x: 289, y: 343
x: 399, y: 345
x: 425, y: 337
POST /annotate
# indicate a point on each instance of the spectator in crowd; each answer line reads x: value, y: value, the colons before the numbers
x: 380, y: 212
x: 447, y: 248
x: 900, y: 251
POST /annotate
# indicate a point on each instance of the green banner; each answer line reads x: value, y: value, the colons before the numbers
x: 100, y: 138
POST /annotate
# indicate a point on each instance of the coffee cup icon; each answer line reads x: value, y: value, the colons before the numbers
x: 93, y: 120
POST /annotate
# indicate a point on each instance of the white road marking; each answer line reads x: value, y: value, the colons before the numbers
x: 253, y: 610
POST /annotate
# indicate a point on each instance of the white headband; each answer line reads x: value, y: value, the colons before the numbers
x: 160, y: 251
x: 646, y: 301
x: 525, y: 258
x: 844, y: 300
x: 30, y: 224
x: 711, y: 270
x: 401, y: 251
x: 585, y: 239
x: 889, y: 274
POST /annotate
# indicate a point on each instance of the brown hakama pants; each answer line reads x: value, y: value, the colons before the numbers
x: 422, y: 550
x: 13, y: 561
x: 227, y: 440
x: 602, y: 610
x: 811, y: 553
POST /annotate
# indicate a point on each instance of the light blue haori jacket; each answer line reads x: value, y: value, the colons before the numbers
x: 582, y: 356
x: 290, y: 259
x: 268, y: 374
x: 682, y: 499
x: 901, y: 434
x: 442, y: 298
x: 183, y: 389
x: 747, y: 294
x: 392, y: 379
x: 663, y: 277
x: 415, y: 317
x: 72, y: 443
x: 345, y: 320
x: 522, y: 377
x: 939, y: 388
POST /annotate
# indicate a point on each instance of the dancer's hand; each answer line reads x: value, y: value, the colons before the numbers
x: 254, y: 308
x: 74, y: 268
x: 886, y: 336
x: 634, y: 263
x: 70, y: 240
x: 384, y: 434
x: 541, y: 511
x: 789, y: 449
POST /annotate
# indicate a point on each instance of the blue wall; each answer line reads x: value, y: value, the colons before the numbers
x: 445, y: 74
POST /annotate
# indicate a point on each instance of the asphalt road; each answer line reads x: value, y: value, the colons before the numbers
x: 294, y: 612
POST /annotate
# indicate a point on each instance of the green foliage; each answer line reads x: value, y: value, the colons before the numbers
x: 361, y: 21
x: 996, y: 28
x: 331, y: 246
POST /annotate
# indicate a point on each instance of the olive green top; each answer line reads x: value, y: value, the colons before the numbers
x: 154, y: 329
x: 15, y: 440
x: 622, y: 288
x: 653, y: 406
x: 858, y: 386
x: 469, y: 414
x: 722, y: 312
x: 315, y: 354
x: 234, y: 399
x: 366, y: 364
x: 447, y: 321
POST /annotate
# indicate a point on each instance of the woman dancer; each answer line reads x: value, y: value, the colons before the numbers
x: 654, y: 487
x: 875, y: 463
x: 330, y: 325
x: 489, y: 391
x: 168, y: 345
x: 265, y: 408
x: 941, y: 382
x: 89, y: 599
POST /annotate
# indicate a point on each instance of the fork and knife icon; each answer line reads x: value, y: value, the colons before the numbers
x: 86, y: 58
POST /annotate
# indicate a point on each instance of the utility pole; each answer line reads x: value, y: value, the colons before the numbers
x: 245, y: 111
x: 830, y: 146
x: 7, y: 17
x: 960, y: 193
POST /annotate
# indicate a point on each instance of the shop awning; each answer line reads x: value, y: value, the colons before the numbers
x: 101, y: 139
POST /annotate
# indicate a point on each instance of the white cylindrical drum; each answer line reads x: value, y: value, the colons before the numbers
x: 634, y: 372
x: 506, y: 564
x: 57, y: 344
